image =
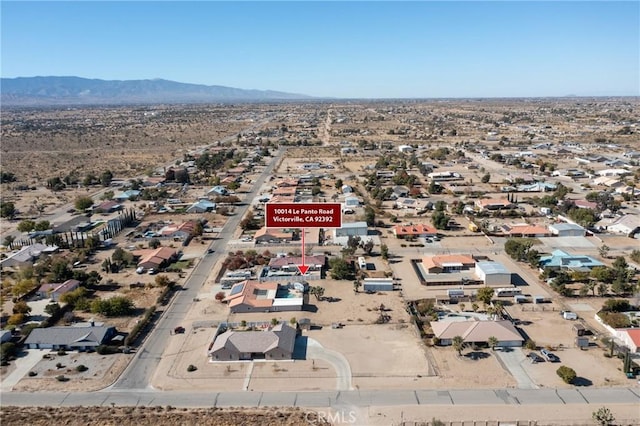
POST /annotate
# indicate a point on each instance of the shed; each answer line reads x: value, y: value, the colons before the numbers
x: 582, y: 342
x: 493, y: 273
x: 378, y: 284
x: 539, y: 299
x: 353, y: 228
x: 567, y: 230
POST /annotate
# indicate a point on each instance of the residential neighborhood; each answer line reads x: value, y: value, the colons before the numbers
x: 474, y: 258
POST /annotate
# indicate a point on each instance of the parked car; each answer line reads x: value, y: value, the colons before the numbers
x: 178, y: 330
x: 152, y: 271
x: 535, y: 358
x: 140, y: 270
x: 549, y: 356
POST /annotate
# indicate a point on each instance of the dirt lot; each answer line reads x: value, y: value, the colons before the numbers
x: 150, y: 416
x: 102, y: 370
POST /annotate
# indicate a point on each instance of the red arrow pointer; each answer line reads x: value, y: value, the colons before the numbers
x: 303, y: 268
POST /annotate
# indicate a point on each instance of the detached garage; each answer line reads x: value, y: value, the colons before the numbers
x: 493, y: 273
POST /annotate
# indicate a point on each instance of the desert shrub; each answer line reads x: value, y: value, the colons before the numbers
x: 81, y: 368
x: 191, y: 367
x: 62, y: 352
x: 59, y: 365
x: 62, y: 378
x: 568, y: 375
x: 615, y: 319
x: 32, y: 374
x: 105, y: 350
x: 530, y: 345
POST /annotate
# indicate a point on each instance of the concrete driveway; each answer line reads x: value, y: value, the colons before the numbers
x: 512, y: 361
x: 340, y: 364
x: 23, y: 364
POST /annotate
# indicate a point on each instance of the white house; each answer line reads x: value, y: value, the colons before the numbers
x: 626, y: 225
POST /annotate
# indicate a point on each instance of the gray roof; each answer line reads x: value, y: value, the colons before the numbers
x: 490, y: 268
x: 281, y: 336
x: 565, y: 226
x: 69, y: 336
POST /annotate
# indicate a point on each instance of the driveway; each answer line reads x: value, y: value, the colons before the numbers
x: 512, y: 362
x: 24, y: 364
x: 340, y: 364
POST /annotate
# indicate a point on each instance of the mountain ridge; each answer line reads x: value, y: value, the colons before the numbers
x: 72, y: 90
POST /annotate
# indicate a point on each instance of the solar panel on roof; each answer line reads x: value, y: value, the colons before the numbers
x: 236, y: 289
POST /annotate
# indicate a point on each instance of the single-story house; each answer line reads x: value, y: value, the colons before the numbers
x: 494, y: 204
x: 55, y: 290
x: 476, y: 332
x: 275, y: 343
x: 107, y: 207
x: 218, y: 190
x: 179, y: 232
x: 447, y: 263
x: 272, y: 235
x: 27, y: 255
x: 626, y: 225
x: 567, y: 230
x: 155, y: 259
x: 526, y: 230
x: 290, y: 263
x: 561, y: 260
x: 537, y: 187
x: 201, y: 206
x: 268, y: 296
x: 79, y: 337
x: 414, y: 204
x: 127, y: 195
x: 631, y: 338
x: 493, y: 273
x: 417, y: 230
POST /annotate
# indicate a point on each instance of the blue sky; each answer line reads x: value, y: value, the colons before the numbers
x: 336, y: 49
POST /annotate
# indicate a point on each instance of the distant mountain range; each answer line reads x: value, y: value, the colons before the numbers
x: 36, y: 91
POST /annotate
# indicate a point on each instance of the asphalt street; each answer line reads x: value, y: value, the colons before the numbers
x: 140, y: 371
x: 353, y: 398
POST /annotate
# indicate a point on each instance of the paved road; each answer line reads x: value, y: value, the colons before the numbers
x: 140, y: 371
x: 355, y: 398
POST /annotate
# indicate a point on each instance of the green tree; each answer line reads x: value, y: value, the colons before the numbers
x: 485, y: 294
x: 83, y: 202
x: 567, y: 374
x: 154, y: 243
x: 384, y: 251
x: 340, y: 269
x: 106, y: 177
x: 370, y: 215
x: 21, y: 307
x: 517, y: 248
x: 339, y: 183
x: 43, y: 225
x: 26, y: 225
x: 458, y: 344
x: 486, y: 178
x: 493, y: 341
x: 52, y: 309
x: 635, y: 255
x: 356, y: 286
x: 7, y: 209
x: 602, y: 274
x: 440, y: 220
x: 7, y: 351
